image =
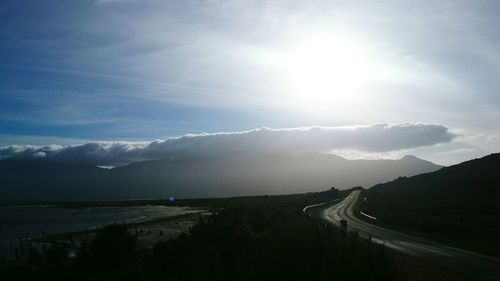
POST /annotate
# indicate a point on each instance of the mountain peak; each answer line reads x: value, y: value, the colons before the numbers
x: 410, y: 157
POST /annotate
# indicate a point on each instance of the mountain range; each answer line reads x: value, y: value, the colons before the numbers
x: 203, y: 176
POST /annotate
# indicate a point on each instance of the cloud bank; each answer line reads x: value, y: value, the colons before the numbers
x: 370, y: 138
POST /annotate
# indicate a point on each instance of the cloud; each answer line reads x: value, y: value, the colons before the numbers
x: 370, y: 138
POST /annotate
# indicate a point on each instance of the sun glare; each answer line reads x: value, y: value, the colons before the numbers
x: 326, y: 72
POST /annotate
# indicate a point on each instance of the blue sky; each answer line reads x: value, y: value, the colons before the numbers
x: 117, y: 70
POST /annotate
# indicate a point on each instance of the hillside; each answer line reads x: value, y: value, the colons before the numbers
x: 237, y: 174
x: 457, y: 204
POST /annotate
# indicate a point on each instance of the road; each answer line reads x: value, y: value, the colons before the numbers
x: 467, y: 264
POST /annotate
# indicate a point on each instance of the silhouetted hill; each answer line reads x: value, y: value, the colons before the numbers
x: 457, y: 204
x: 237, y: 174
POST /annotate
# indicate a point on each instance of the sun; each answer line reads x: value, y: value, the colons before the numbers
x: 326, y: 72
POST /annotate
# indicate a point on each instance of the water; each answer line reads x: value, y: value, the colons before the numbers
x: 21, y: 221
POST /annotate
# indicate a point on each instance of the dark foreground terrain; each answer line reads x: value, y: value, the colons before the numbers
x: 457, y: 205
x: 250, y: 238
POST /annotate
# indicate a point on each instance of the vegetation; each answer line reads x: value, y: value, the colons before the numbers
x: 250, y: 238
x: 457, y: 205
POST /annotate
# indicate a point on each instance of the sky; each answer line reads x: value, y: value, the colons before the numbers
x: 142, y: 72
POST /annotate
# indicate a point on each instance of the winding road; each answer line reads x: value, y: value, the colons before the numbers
x: 472, y: 266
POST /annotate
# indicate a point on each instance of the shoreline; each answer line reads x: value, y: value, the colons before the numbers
x: 148, y: 232
x: 192, y: 216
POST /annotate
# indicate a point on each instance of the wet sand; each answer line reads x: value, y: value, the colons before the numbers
x: 154, y: 231
x: 147, y: 232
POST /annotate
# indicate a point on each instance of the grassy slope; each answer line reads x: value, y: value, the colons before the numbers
x: 458, y: 205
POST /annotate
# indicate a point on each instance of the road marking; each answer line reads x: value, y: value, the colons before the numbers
x: 368, y: 216
x: 319, y: 204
